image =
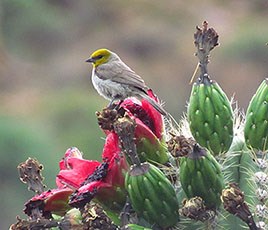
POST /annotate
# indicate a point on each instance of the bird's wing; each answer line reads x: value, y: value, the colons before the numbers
x: 119, y: 72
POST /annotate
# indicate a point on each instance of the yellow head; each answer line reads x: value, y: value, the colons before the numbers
x: 99, y: 57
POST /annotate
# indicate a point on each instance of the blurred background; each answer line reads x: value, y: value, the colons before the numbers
x: 47, y: 102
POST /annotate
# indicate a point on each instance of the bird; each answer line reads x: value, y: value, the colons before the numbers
x: 116, y: 81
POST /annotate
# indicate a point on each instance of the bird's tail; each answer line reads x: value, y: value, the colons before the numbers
x: 160, y: 109
x: 155, y: 104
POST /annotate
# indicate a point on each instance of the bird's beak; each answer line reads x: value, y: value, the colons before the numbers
x: 91, y: 60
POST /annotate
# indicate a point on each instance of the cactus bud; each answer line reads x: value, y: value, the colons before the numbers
x: 201, y: 176
x: 210, y: 116
x: 152, y: 195
x: 256, y: 126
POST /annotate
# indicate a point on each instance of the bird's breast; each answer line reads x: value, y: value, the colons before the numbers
x: 109, y: 89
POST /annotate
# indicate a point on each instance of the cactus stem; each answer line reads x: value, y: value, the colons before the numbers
x: 125, y: 129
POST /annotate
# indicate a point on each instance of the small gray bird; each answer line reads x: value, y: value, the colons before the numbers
x: 114, y: 80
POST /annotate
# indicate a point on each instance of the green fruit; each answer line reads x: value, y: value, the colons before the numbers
x: 152, y: 195
x: 200, y: 175
x: 210, y: 116
x: 256, y: 125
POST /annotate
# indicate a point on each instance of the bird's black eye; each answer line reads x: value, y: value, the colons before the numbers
x: 99, y: 56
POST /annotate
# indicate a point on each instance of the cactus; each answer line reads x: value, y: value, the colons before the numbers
x: 238, y: 167
x: 206, y: 173
x: 209, y: 112
x: 152, y: 195
x: 256, y: 126
x: 210, y: 116
x: 201, y: 176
